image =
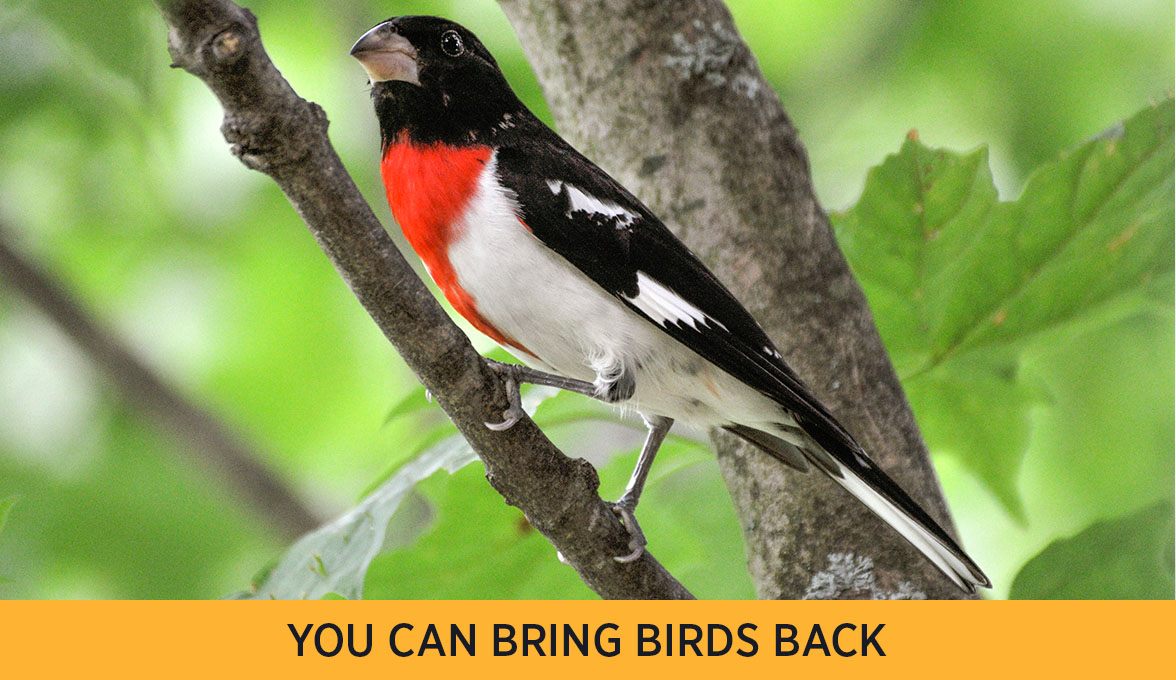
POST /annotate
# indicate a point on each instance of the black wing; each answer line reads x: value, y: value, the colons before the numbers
x: 611, y: 248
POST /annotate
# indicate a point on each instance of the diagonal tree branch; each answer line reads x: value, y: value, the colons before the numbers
x: 208, y: 441
x: 679, y: 111
x: 275, y: 131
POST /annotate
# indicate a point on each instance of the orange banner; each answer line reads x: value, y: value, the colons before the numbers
x: 584, y: 639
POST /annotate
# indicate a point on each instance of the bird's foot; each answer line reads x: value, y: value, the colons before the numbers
x: 623, y: 509
x: 514, y: 411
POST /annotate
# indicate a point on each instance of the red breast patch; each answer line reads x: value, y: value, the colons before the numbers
x: 429, y: 188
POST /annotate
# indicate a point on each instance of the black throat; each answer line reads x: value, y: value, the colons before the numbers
x: 464, y: 117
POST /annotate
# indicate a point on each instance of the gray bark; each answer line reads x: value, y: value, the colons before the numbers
x: 275, y: 131
x: 666, y: 96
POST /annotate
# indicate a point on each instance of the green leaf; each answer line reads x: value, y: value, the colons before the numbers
x: 335, y: 557
x: 417, y: 399
x: 1124, y: 559
x: 443, y: 429
x: 479, y: 547
x: 981, y: 413
x: 962, y: 283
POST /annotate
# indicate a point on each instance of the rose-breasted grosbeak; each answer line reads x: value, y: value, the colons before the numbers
x: 545, y: 253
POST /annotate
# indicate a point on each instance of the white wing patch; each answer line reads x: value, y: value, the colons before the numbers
x: 578, y: 201
x: 665, y: 306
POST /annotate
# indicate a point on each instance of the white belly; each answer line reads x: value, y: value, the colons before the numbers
x: 576, y: 329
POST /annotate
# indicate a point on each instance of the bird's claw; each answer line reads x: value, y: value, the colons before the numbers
x: 514, y: 412
x: 510, y: 417
x: 637, y: 540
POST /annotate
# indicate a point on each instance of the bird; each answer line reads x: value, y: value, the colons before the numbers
x: 545, y: 253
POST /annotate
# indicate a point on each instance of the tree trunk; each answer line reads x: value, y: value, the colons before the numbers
x: 666, y: 96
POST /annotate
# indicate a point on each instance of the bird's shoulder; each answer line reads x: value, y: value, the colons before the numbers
x: 572, y: 206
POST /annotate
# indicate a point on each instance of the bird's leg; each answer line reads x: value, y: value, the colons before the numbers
x: 659, y: 427
x: 515, y: 374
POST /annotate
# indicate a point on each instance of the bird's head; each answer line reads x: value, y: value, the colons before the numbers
x: 433, y: 80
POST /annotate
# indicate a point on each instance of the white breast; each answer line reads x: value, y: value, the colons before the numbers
x: 574, y: 327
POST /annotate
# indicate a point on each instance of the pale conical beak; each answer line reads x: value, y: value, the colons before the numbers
x: 387, y: 55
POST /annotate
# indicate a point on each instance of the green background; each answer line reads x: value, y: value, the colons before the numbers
x: 114, y: 176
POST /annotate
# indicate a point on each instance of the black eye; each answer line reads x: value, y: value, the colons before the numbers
x: 451, y: 44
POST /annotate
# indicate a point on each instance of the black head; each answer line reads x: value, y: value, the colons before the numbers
x: 434, y: 81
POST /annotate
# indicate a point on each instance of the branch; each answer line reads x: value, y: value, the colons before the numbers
x: 679, y: 112
x: 275, y: 131
x: 209, y: 443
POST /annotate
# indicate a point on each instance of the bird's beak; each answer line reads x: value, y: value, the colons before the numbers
x: 387, y: 55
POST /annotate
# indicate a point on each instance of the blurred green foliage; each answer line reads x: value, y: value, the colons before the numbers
x: 968, y: 291
x: 1123, y: 558
x: 963, y: 285
x: 113, y: 174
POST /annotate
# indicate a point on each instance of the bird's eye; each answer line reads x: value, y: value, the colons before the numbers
x: 451, y: 44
